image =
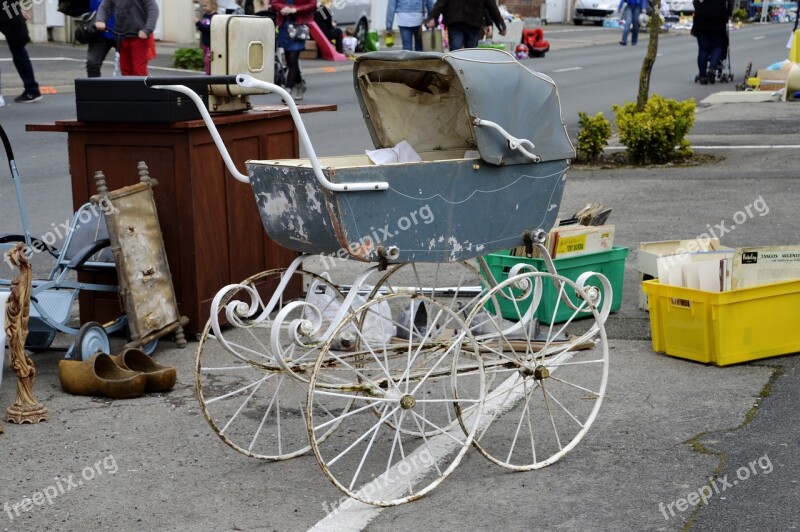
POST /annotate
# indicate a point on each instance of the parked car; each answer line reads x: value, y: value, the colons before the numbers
x: 353, y: 14
x: 593, y: 11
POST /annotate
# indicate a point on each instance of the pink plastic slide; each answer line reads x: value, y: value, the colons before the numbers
x: 324, y: 45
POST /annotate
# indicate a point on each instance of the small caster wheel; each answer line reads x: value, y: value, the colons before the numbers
x: 91, y: 338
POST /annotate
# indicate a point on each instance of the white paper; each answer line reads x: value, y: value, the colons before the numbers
x: 670, y: 269
x: 402, y: 153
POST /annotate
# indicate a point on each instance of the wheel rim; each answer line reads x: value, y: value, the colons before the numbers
x: 249, y: 401
x: 361, y: 36
x: 397, y: 465
x: 545, y: 394
x: 93, y: 339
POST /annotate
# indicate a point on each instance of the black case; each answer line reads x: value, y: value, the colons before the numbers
x: 127, y: 99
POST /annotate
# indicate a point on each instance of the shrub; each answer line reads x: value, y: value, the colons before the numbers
x: 592, y: 137
x: 658, y: 133
x: 740, y: 14
x: 189, y: 59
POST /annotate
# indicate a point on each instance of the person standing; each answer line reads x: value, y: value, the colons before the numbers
x: 293, y: 13
x: 633, y: 8
x: 135, y: 23
x: 410, y: 16
x: 15, y: 30
x: 464, y: 20
x: 710, y: 29
x: 203, y: 25
x: 324, y: 19
x: 100, y: 46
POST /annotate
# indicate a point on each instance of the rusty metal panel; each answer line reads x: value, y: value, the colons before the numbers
x: 434, y: 211
x: 145, y: 281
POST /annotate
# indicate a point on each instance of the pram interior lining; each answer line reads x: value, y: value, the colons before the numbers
x: 423, y: 102
x: 355, y: 161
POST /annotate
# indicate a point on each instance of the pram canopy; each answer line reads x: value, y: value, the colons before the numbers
x: 471, y: 192
x: 430, y: 100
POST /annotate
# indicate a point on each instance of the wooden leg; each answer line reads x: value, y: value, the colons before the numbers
x: 26, y: 409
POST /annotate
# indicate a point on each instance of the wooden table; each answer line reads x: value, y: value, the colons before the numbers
x: 212, y: 229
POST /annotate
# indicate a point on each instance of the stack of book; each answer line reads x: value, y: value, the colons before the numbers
x: 586, y: 231
x: 730, y: 269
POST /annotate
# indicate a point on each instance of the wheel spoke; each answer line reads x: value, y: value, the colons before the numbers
x: 361, y: 438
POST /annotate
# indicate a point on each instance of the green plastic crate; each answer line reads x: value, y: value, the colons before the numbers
x: 495, y: 45
x: 609, y: 263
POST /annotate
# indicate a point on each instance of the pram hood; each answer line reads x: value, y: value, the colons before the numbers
x: 430, y: 100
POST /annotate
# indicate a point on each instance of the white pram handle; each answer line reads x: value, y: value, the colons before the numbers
x: 513, y: 142
x: 176, y: 84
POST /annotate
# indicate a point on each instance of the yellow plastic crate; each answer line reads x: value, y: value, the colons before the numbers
x: 724, y: 328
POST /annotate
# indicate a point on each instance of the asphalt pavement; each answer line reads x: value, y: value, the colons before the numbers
x: 677, y: 445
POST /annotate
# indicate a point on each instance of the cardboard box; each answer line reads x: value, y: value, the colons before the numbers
x: 772, y: 80
x: 650, y: 252
x: 311, y: 50
x: 570, y: 240
x: 764, y: 265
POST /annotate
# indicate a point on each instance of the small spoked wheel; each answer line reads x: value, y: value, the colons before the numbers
x: 400, y: 438
x: 547, y: 382
x: 91, y: 339
x: 250, y: 401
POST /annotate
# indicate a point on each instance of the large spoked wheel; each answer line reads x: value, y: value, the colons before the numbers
x: 250, y: 401
x: 458, y: 286
x: 414, y: 442
x: 548, y: 382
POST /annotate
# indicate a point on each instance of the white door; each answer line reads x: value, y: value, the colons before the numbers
x: 159, y: 32
x: 555, y: 10
x: 52, y: 17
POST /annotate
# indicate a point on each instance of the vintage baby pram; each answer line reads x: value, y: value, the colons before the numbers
x: 390, y: 391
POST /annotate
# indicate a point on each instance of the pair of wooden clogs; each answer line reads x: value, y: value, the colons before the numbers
x: 129, y: 374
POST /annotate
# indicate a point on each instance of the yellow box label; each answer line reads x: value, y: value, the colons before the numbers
x: 570, y: 244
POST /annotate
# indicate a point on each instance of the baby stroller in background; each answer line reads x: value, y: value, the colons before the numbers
x: 723, y: 72
x: 85, y: 248
x: 281, y: 67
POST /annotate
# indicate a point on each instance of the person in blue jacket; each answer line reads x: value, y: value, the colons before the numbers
x: 410, y: 15
x: 633, y: 8
x: 103, y: 42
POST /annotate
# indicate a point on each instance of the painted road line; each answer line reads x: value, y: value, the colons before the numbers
x: 353, y: 515
x: 570, y: 69
x: 743, y: 147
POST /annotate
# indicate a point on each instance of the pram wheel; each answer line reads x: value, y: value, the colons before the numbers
x: 150, y: 347
x: 92, y: 338
x: 413, y: 386
x: 39, y: 340
x: 544, y: 387
x: 253, y: 404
